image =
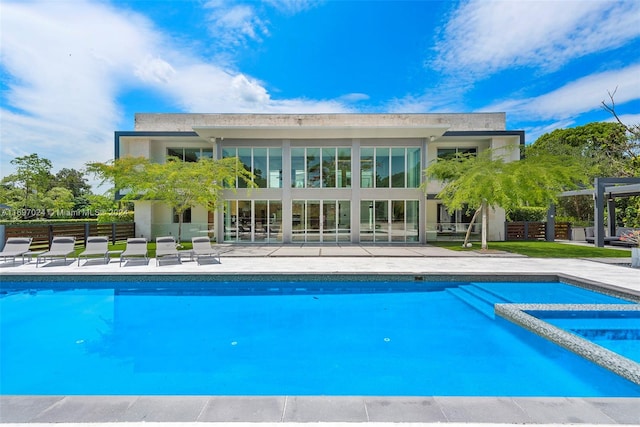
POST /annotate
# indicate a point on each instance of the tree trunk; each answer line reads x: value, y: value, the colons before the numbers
x: 473, y: 220
x: 485, y: 222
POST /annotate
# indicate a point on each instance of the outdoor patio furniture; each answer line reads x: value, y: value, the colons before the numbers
x: 610, y: 240
x: 97, y: 246
x: 61, y: 247
x: 202, y: 249
x: 136, y: 248
x: 15, y: 247
x: 166, y: 247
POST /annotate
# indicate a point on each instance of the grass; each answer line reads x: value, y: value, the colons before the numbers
x: 151, y: 247
x: 534, y: 249
x: 538, y: 249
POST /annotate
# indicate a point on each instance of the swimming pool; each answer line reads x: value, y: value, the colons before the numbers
x: 387, y: 338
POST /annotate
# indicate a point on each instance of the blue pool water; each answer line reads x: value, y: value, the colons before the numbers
x: 393, y: 339
x: 614, y: 330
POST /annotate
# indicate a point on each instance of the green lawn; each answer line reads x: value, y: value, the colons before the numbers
x: 534, y: 249
x: 151, y: 247
x: 539, y: 249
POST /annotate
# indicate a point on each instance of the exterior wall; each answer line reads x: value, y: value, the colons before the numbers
x: 155, y: 133
x: 186, y: 122
x: 143, y: 217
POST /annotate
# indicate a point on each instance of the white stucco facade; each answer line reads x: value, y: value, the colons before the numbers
x: 323, y: 178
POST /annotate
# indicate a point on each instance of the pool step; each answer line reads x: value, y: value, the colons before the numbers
x: 477, y: 298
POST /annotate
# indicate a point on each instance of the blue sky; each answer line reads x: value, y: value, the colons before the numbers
x: 74, y: 71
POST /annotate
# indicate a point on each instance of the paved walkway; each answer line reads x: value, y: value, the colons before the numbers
x: 294, y: 259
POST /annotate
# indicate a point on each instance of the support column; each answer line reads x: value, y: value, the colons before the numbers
x: 550, y: 230
x: 598, y: 213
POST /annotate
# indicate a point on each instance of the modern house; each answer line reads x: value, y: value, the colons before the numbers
x: 322, y: 178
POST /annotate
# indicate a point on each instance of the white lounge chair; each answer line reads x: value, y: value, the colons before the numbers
x: 166, y: 247
x: 136, y: 248
x: 61, y: 247
x: 96, y: 246
x: 15, y: 247
x: 202, y: 249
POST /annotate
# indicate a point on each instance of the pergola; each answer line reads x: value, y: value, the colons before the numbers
x: 607, y: 189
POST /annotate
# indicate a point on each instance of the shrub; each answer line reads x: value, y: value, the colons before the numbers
x: 527, y: 213
x: 115, y: 216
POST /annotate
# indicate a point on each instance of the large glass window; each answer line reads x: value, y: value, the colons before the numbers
x: 389, y: 221
x: 244, y: 155
x: 313, y: 167
x: 366, y: 167
x: 186, y: 216
x: 382, y: 167
x: 260, y: 167
x: 344, y: 168
x: 397, y: 167
x: 452, y: 223
x: 414, y: 172
x: 450, y: 153
x: 328, y: 167
x: 321, y: 221
x: 298, y: 170
x: 190, y: 154
x: 253, y: 221
x: 265, y: 163
x: 275, y: 168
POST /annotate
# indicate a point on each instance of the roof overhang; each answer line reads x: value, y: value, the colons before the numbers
x: 320, y: 132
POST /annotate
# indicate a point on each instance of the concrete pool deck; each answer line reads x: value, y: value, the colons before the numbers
x: 292, y: 259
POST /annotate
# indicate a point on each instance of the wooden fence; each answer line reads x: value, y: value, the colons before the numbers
x: 42, y: 234
x: 526, y: 230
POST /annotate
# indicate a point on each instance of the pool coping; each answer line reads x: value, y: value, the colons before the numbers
x: 317, y: 409
x: 291, y: 409
x: 620, y: 365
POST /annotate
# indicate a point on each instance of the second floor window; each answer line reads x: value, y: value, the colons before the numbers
x: 450, y: 153
x: 265, y: 163
x: 390, y: 167
x: 190, y: 154
x: 326, y: 167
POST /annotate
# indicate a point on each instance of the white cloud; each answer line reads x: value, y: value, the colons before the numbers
x: 576, y: 97
x: 154, y: 70
x: 354, y: 97
x: 293, y: 6
x: 484, y: 36
x: 66, y: 63
x: 234, y: 24
x: 65, y: 60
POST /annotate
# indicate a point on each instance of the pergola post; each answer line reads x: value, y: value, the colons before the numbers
x: 611, y: 188
x: 550, y: 230
x: 598, y: 213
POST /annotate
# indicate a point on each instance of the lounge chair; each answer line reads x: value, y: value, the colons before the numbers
x: 61, y: 247
x: 96, y: 246
x: 202, y: 248
x: 15, y: 247
x: 166, y: 247
x: 136, y: 248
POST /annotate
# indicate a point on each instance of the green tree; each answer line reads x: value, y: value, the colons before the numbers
x: 181, y: 185
x: 487, y: 180
x: 98, y: 203
x: 603, y: 147
x: 33, y: 179
x: 74, y: 181
x: 58, y: 202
